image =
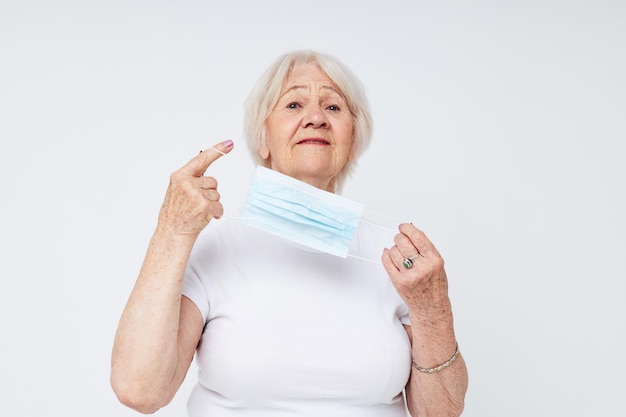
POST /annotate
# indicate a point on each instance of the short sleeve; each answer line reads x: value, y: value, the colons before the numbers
x: 404, y: 316
x: 194, y: 290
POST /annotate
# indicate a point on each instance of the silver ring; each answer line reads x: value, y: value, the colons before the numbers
x: 408, y: 262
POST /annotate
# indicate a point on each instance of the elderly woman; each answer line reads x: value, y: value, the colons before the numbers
x: 281, y: 328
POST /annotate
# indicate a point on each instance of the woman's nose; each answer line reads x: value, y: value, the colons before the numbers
x: 314, y: 117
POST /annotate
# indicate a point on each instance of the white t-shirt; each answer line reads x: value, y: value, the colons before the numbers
x: 291, y: 331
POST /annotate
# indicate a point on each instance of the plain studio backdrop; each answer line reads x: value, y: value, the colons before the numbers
x: 499, y: 130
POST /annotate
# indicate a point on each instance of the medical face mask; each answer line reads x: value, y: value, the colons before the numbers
x: 301, y: 213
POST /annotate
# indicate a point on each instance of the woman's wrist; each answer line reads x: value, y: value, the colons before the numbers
x: 167, y: 253
x: 439, y: 367
x: 166, y: 236
x: 431, y: 311
x: 432, y: 327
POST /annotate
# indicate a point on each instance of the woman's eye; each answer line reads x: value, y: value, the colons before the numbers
x: 333, y: 108
x: 293, y: 105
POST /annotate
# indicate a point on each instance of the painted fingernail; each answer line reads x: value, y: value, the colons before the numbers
x: 227, y: 143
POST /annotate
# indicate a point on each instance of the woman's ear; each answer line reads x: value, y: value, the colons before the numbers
x: 352, y: 153
x: 264, y: 152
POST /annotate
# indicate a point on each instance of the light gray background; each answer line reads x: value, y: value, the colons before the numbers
x: 499, y: 131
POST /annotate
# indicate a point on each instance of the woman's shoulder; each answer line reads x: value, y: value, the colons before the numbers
x: 229, y: 235
x: 213, y: 236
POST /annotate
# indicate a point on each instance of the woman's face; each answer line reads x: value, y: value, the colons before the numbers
x: 310, y: 131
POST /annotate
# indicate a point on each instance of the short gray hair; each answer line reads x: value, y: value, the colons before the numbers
x: 266, y: 92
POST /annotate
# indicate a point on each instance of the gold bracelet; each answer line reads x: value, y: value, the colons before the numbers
x: 440, y: 367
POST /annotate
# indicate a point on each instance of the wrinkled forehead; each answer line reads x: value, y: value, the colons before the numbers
x: 306, y: 72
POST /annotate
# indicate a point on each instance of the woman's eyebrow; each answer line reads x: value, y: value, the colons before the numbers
x: 290, y: 89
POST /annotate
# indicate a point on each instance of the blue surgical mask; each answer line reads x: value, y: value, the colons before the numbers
x: 301, y: 213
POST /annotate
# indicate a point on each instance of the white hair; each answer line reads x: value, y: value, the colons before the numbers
x: 266, y: 92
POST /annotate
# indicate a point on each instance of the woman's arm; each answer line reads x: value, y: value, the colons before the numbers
x: 424, y: 288
x: 440, y: 393
x: 157, y: 333
x: 159, y: 329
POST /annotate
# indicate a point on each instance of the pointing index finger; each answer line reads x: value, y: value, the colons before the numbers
x: 198, y: 165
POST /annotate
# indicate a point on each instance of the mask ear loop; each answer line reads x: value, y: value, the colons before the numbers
x: 386, y: 224
x: 364, y: 259
x: 218, y: 151
x: 383, y: 218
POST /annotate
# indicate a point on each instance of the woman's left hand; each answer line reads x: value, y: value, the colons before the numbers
x: 416, y: 270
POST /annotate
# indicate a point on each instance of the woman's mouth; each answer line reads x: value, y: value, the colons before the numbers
x: 314, y: 141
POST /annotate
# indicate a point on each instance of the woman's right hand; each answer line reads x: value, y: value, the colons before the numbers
x: 192, y: 200
x: 159, y: 329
